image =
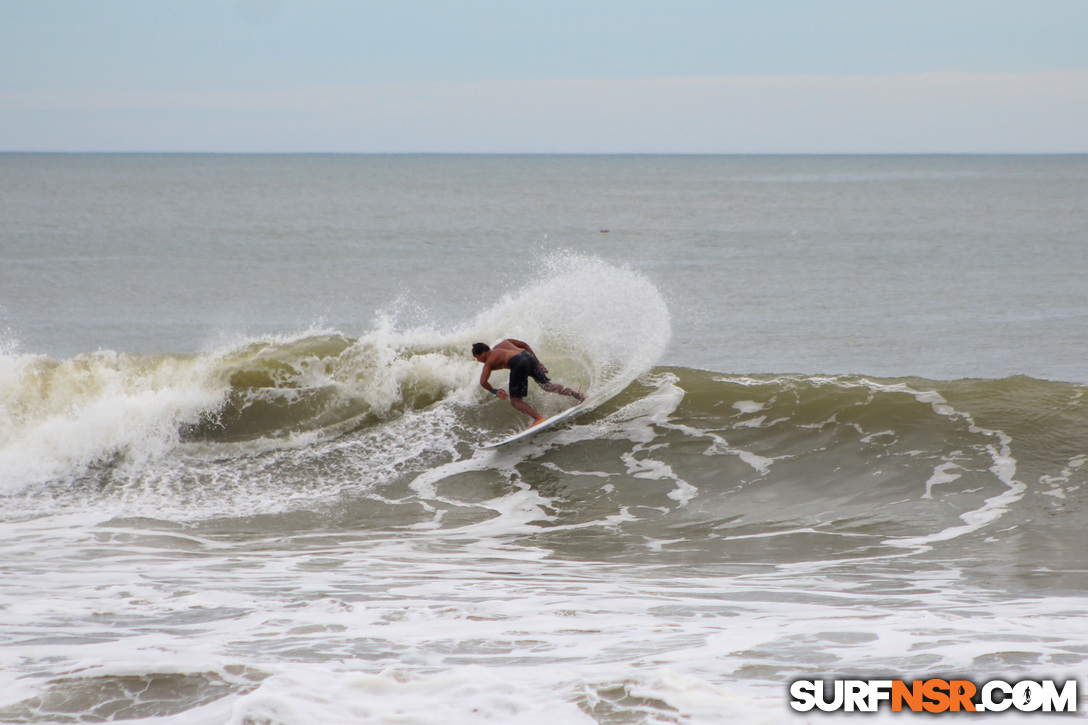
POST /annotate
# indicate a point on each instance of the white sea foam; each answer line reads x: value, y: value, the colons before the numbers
x: 58, y: 418
x: 610, y: 321
x: 429, y: 629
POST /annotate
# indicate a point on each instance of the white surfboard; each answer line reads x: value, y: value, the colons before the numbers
x: 548, y: 423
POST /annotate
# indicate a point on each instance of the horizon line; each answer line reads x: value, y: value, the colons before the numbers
x: 24, y: 152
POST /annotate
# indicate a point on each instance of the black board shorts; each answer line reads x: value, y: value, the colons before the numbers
x: 522, y: 367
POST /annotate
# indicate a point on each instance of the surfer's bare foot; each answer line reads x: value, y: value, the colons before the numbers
x: 538, y: 421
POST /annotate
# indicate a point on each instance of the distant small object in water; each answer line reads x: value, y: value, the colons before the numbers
x: 604, y: 231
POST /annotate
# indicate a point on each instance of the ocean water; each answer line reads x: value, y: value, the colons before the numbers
x: 838, y: 427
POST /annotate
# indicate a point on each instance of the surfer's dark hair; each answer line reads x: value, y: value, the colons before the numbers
x: 479, y: 348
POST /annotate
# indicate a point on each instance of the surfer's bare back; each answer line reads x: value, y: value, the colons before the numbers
x: 517, y: 357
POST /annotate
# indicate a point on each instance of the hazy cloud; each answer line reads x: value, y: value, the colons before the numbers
x: 907, y: 113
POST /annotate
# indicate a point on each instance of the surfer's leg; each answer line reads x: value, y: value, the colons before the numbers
x: 520, y: 404
x: 560, y: 390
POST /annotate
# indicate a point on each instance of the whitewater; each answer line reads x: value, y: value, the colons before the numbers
x: 241, y: 474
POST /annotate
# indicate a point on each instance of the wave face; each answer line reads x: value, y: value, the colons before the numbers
x: 814, y: 468
x: 807, y: 466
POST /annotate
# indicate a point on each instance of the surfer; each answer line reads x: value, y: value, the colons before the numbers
x: 517, y: 357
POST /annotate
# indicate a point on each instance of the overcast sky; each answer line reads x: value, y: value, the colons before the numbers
x: 586, y: 76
